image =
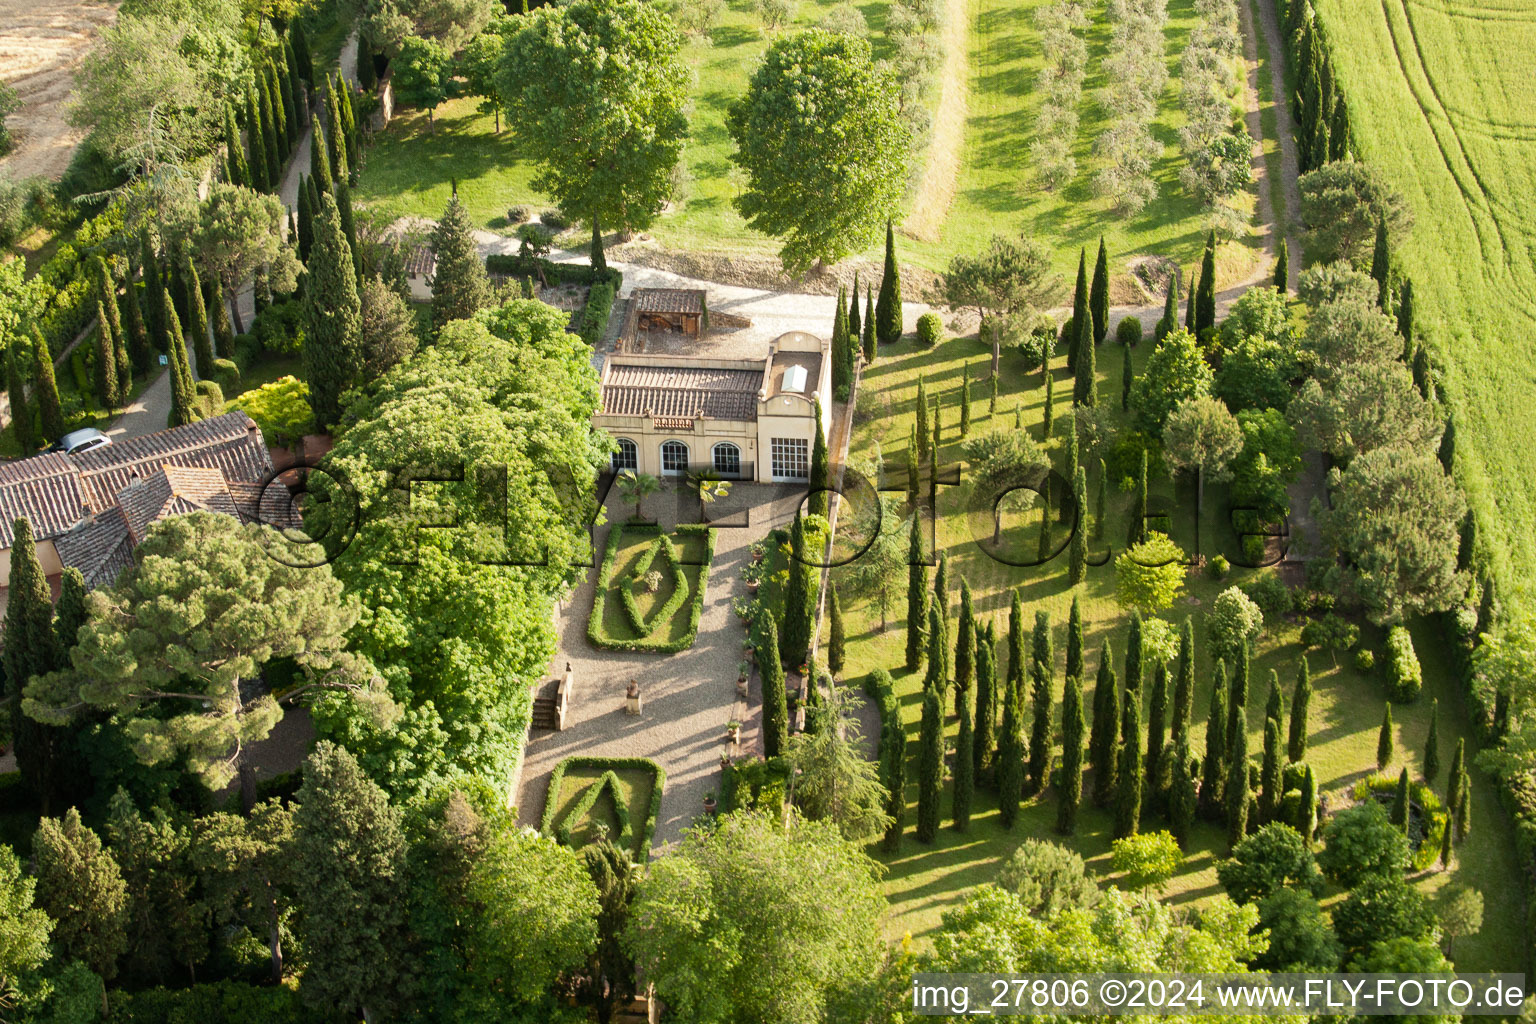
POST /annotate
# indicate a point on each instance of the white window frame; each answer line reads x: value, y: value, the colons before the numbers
x: 733, y: 453
x: 665, y: 445
x: 788, y: 453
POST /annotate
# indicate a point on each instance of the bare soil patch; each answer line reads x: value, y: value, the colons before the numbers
x: 41, y: 44
x: 767, y: 273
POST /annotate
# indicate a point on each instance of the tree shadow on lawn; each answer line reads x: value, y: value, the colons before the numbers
x: 727, y: 36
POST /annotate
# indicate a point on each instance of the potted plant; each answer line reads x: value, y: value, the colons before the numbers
x: 709, y: 802
x: 733, y: 730
x: 759, y: 549
x: 742, y: 671
x: 751, y: 651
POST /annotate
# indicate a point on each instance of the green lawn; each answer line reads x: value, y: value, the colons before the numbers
x: 923, y: 881
x: 1437, y: 102
x: 410, y: 166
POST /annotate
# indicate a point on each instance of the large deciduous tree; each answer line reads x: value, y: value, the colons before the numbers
x: 239, y: 231
x: 597, y: 90
x: 1175, y: 371
x: 1006, y: 283
x: 175, y: 649
x: 732, y: 926
x: 1201, y: 435
x: 821, y: 98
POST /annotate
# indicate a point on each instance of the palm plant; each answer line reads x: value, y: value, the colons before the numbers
x: 636, y: 487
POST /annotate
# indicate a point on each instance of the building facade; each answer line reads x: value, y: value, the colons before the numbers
x: 739, y: 419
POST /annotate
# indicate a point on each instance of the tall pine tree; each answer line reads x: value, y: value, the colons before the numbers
x: 333, y: 350
x: 1098, y: 295
x: 459, y: 285
x: 1070, y: 796
x: 888, y: 324
x: 917, y: 597
x: 1080, y: 313
x: 46, y: 389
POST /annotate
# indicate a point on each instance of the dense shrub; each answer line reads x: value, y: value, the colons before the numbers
x: 1129, y: 331
x: 248, y: 350
x: 1361, y: 842
x: 1048, y: 878
x: 1269, y: 592
x: 223, y: 1002
x: 930, y: 329
x: 594, y: 318
x: 1365, y: 659
x: 1404, y: 678
x: 554, y: 220
x: 228, y: 375
x: 1218, y: 567
x: 280, y: 328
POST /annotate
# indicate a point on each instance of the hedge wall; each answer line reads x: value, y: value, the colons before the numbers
x: 600, y: 639
x: 513, y: 265
x: 594, y: 318
x: 610, y: 767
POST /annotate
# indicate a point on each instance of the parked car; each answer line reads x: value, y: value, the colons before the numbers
x: 77, y: 441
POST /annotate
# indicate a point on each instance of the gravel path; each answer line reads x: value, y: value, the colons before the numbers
x: 688, y: 697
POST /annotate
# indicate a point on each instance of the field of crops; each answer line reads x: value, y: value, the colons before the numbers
x: 1441, y: 99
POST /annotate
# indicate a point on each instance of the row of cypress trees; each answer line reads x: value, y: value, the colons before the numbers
x: 878, y: 323
x: 1322, y: 117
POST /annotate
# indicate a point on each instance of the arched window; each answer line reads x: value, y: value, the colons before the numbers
x: 727, y: 459
x: 627, y: 457
x: 674, y: 458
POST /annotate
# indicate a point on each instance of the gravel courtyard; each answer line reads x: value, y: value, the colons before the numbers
x: 688, y: 697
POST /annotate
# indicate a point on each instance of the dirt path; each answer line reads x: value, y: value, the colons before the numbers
x: 41, y: 44
x: 946, y: 142
x: 1268, y: 22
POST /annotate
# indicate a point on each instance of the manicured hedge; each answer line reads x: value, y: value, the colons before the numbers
x: 600, y: 639
x: 661, y: 545
x: 609, y: 782
x: 513, y: 265
x: 609, y: 766
x: 1383, y: 786
x: 1404, y: 677
x: 594, y: 318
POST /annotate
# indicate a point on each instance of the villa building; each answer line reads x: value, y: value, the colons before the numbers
x: 739, y: 419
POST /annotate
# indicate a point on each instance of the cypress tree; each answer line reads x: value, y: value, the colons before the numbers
x: 1269, y: 775
x: 913, y: 468
x: 459, y: 287
x: 1237, y: 783
x: 1381, y: 267
x: 1432, y: 744
x: 917, y: 597
x: 154, y: 295
x: 1127, y: 378
x: 923, y: 436
x: 1137, y: 531
x: 1018, y: 418
x: 1170, y: 318
x: 1128, y: 771
x: 1458, y: 770
x: 936, y: 447
x: 842, y: 371
x: 1085, y: 388
x: 965, y: 639
x: 122, y: 369
x: 855, y: 325
x: 197, y: 322
x: 183, y: 393
x: 1098, y: 501
x: 930, y: 771
x: 1237, y: 700
x: 349, y: 132
x: 279, y: 110
x: 1069, y: 470
x: 319, y: 159
x: 1184, y: 684
x: 21, y: 412
x: 1274, y: 707
x: 1384, y: 739
x: 1077, y: 569
x: 1070, y: 796
x: 137, y: 333
x: 799, y: 599
x: 1445, y: 841
x: 1399, y: 815
x: 333, y: 356
x: 106, y: 361
x: 775, y: 700
x: 113, y: 321
x: 1075, y: 639
x: 888, y: 309
x: 1080, y: 313
x: 1205, y: 304
x: 965, y: 401
x: 1010, y: 744
x: 223, y: 332
x: 1098, y: 295
x: 46, y: 390
x: 1102, y: 737
x: 818, y: 495
x: 1213, y: 767
x: 178, y: 285
x: 1189, y: 304
x: 1283, y: 266
x: 1040, y: 706
x: 235, y: 170
x: 256, y: 164
x: 303, y: 61
x: 1405, y: 314
x: 836, y: 643
x: 296, y: 84
x: 893, y: 742
x: 269, y: 144
x: 335, y: 134
x: 986, y: 708
x: 871, y: 345
x: 1307, y: 814
x: 290, y: 112
x: 1301, y: 701
x: 1463, y: 808
x: 1134, y: 656
x: 31, y: 649
x: 1049, y: 411
x: 1181, y: 797
x: 349, y: 229
x: 1043, y: 548
x: 1421, y: 373
x: 1157, y: 718
x: 965, y: 765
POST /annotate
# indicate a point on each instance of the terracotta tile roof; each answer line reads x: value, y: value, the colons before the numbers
x: 271, y: 505
x: 227, y: 443
x: 669, y: 300
x: 100, y: 547
x: 681, y: 391
x: 175, y: 490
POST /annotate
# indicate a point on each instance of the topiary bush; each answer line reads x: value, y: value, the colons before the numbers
x: 554, y: 220
x: 1218, y: 567
x: 227, y: 374
x: 1365, y: 659
x: 1404, y: 677
x: 210, y: 398
x: 930, y: 329
x: 1129, y: 331
x: 1270, y: 593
